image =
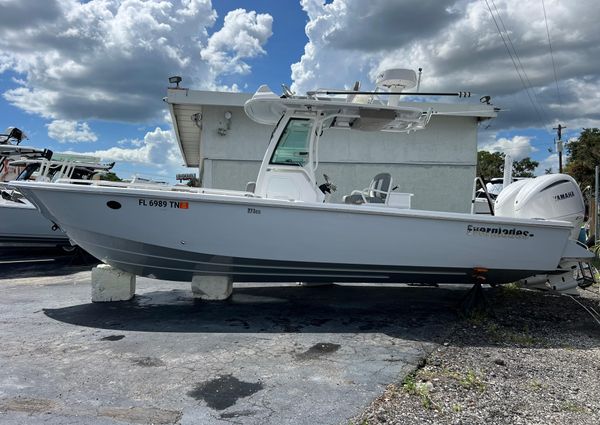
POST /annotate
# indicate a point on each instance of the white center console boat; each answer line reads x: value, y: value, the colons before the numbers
x: 281, y: 228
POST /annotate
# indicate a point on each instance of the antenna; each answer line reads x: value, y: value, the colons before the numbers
x: 395, y: 81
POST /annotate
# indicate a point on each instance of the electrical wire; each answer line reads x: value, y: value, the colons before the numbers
x: 520, y: 72
x: 594, y: 316
x: 552, y: 56
x: 528, y: 81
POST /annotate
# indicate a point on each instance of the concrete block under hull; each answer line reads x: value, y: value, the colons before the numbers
x: 110, y: 284
x: 212, y: 287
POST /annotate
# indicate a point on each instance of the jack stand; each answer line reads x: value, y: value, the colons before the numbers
x: 475, y: 301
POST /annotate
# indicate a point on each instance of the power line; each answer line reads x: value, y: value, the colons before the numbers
x: 529, y: 84
x: 552, y: 56
x: 518, y: 65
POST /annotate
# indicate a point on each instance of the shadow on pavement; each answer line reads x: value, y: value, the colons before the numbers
x: 416, y: 313
x: 399, y: 311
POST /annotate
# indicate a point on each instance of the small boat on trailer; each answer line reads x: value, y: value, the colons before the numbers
x: 283, y: 229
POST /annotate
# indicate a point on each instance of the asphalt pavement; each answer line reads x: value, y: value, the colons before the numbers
x: 277, y: 354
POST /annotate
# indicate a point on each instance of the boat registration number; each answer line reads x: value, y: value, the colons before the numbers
x: 161, y: 203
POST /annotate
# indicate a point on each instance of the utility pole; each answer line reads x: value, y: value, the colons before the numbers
x: 559, y: 145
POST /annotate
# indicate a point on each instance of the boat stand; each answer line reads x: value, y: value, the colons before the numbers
x: 212, y: 288
x: 110, y: 284
x: 476, y: 302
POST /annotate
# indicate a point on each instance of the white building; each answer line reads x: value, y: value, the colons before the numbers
x: 437, y: 164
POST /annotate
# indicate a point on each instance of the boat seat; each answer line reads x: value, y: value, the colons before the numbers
x: 377, y: 193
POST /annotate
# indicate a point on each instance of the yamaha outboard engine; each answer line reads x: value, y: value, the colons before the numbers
x: 552, y: 196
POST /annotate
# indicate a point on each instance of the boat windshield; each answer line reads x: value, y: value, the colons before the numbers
x: 292, y: 148
x: 28, y: 171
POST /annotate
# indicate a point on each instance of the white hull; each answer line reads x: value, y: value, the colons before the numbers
x: 24, y: 225
x: 254, y: 239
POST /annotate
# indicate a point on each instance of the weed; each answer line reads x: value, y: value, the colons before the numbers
x: 536, y: 385
x: 410, y: 384
x: 472, y: 382
x: 456, y: 408
x: 477, y: 317
x: 511, y: 290
x: 494, y: 331
x: 523, y: 339
x: 419, y: 389
x: 571, y: 406
x: 503, y: 335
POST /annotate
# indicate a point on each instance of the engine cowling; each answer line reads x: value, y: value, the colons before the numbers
x: 552, y: 196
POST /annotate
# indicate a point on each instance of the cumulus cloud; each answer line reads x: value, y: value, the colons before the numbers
x: 550, y: 162
x: 70, y: 131
x: 158, y: 148
x: 518, y: 147
x: 242, y: 36
x: 107, y: 59
x: 458, y: 46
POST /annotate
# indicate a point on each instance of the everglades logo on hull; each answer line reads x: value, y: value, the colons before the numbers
x: 498, y: 232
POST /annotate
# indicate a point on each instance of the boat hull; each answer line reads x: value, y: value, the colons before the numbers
x: 175, y: 236
x: 24, y: 225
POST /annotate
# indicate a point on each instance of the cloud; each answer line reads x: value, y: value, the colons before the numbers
x: 70, y: 131
x: 110, y: 60
x: 242, y: 36
x: 19, y: 14
x: 459, y: 48
x: 384, y: 24
x: 158, y: 148
x: 551, y: 161
x: 518, y: 147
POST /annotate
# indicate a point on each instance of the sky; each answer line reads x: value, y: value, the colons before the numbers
x: 89, y: 76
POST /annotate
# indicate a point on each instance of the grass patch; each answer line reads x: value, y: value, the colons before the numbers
x: 572, y: 407
x: 471, y: 381
x: 477, y: 318
x: 522, y: 339
x: 418, y: 388
x: 536, y: 385
x: 409, y: 385
x: 511, y: 290
x: 502, y: 335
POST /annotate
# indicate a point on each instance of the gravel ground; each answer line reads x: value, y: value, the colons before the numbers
x: 534, y: 360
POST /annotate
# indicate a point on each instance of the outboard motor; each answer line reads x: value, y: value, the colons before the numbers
x: 552, y: 196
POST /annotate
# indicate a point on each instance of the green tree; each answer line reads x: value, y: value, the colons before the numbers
x: 583, y: 156
x: 110, y: 176
x: 491, y: 164
x: 524, y: 167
